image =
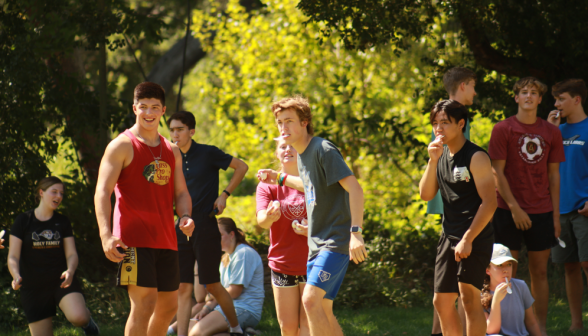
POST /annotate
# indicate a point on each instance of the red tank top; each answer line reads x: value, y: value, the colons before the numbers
x: 143, y: 214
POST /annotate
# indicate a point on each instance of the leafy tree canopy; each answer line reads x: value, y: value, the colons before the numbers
x: 545, y: 39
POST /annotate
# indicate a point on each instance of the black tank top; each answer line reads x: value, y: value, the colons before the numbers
x: 458, y: 190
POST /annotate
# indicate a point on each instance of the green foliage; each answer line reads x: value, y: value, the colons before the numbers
x: 363, y: 24
x: 400, y: 271
x: 517, y: 39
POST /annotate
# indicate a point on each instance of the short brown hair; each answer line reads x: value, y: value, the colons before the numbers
x: 45, y: 183
x: 455, y: 76
x: 185, y: 117
x: 298, y: 104
x: 453, y: 109
x: 532, y: 81
x: 575, y: 87
x: 149, y: 90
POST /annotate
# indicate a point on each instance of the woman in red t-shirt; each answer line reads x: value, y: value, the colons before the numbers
x: 288, y: 252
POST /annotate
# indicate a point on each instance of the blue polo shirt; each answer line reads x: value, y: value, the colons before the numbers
x: 201, y: 165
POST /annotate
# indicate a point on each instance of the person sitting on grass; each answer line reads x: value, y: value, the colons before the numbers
x: 241, y: 273
x: 507, y: 302
x: 43, y: 260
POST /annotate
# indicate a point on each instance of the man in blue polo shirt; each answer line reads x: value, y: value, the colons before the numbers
x: 201, y: 165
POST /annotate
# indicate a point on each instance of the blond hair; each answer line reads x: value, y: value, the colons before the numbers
x: 530, y: 81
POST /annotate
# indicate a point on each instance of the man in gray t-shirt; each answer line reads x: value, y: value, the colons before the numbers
x: 334, y: 203
x: 327, y: 205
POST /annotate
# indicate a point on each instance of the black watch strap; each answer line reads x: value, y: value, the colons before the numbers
x: 226, y: 192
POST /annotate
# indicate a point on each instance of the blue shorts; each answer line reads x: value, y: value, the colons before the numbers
x: 326, y: 271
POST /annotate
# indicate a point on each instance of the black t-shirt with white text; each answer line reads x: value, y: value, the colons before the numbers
x: 42, y: 256
x: 458, y: 190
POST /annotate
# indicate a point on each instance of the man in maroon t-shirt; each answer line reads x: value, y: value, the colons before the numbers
x: 526, y: 152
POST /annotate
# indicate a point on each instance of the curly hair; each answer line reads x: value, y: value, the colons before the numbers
x: 486, y: 295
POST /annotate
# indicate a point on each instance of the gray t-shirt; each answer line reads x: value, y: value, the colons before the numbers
x: 321, y: 167
x: 513, y: 308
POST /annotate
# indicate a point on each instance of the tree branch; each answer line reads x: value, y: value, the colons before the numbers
x: 485, y: 55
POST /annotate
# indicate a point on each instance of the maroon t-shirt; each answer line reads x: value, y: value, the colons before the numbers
x: 527, y: 149
x: 288, y: 250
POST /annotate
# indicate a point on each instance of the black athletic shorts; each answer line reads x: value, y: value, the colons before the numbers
x: 148, y: 267
x: 540, y: 237
x: 470, y: 270
x: 207, y: 249
x: 286, y: 280
x: 40, y: 303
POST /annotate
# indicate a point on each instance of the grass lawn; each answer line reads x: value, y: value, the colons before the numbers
x: 366, y: 321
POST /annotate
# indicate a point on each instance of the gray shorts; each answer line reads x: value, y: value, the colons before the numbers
x: 245, y: 317
x: 574, y: 232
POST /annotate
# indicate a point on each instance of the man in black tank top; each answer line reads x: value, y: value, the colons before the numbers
x: 462, y: 172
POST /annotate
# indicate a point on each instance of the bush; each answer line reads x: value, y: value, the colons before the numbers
x: 398, y: 272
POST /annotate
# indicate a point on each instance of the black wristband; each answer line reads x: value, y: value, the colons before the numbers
x: 185, y: 215
x: 226, y: 192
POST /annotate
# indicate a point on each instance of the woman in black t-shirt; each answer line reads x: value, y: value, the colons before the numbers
x: 43, y: 259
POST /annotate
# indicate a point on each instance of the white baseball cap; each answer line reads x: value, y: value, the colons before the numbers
x: 501, y: 254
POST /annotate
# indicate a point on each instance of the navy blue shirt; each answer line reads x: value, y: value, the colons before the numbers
x: 201, y: 165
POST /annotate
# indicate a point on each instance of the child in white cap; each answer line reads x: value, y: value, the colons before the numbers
x: 507, y: 302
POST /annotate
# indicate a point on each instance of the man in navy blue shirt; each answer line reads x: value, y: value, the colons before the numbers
x: 201, y: 165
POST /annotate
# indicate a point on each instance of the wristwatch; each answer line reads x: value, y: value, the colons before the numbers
x: 356, y: 229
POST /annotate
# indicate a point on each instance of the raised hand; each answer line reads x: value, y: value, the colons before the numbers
x: 554, y: 117
x: 435, y: 148
x: 269, y: 176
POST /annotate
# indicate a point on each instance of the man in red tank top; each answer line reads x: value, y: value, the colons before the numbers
x: 145, y: 172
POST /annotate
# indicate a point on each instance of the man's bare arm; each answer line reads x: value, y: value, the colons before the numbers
x: 481, y: 169
x: 272, y: 175
x: 118, y: 154
x: 182, y: 195
x: 553, y: 172
x: 428, y: 186
x: 520, y: 217
x: 241, y: 169
x: 357, y: 250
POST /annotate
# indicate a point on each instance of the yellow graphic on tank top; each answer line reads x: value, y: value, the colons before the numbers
x: 158, y: 172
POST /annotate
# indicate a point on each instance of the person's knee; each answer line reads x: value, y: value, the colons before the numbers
x: 214, y: 288
x: 442, y: 302
x: 289, y: 327
x: 584, y: 266
x: 538, y: 274
x: 144, y: 306
x: 572, y: 268
x: 79, y: 318
x: 311, y: 301
x: 185, y: 290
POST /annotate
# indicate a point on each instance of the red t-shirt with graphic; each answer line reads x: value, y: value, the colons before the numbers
x: 288, y: 250
x: 527, y: 149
